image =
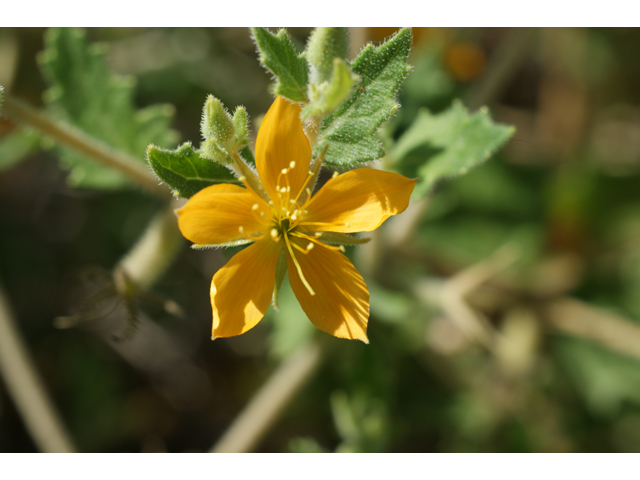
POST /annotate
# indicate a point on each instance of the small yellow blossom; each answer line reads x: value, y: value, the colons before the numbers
x: 279, y: 214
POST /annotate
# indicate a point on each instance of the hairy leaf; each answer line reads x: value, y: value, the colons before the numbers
x: 447, y: 144
x: 291, y: 70
x: 86, y: 94
x: 185, y: 171
x: 351, y: 130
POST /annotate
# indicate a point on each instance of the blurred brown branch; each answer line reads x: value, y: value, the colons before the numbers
x: 269, y: 402
x: 81, y: 142
x: 27, y: 389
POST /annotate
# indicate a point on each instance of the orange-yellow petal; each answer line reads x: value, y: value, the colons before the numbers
x: 357, y: 201
x: 215, y: 214
x: 340, y: 305
x: 241, y: 290
x: 281, y: 141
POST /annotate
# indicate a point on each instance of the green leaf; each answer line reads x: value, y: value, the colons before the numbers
x: 291, y: 70
x: 447, y: 144
x: 351, y: 130
x: 84, y: 93
x: 16, y: 147
x: 185, y: 171
x: 329, y: 95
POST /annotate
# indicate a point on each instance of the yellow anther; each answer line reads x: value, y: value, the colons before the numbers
x: 335, y: 174
x: 284, y: 171
x: 308, y: 191
x: 346, y: 224
x: 274, y: 232
x: 292, y: 164
x: 342, y: 248
x: 310, y: 246
x: 293, y: 217
x: 255, y: 206
x: 271, y: 202
x: 242, y: 178
x: 241, y: 230
x: 262, y: 214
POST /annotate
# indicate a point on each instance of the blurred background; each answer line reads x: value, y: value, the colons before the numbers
x: 538, y: 249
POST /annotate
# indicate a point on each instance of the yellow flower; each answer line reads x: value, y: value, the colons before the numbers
x: 278, y: 216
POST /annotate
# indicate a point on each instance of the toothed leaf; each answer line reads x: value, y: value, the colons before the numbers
x: 185, y: 171
x: 85, y: 93
x: 351, y: 130
x: 447, y: 144
x: 291, y: 70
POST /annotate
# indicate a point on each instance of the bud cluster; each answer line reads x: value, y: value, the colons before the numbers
x: 223, y: 134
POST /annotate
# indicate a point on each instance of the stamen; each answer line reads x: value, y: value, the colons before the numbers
x: 274, y: 232
x: 295, y: 261
x: 346, y: 224
x: 284, y: 171
x: 335, y: 174
x: 241, y: 230
x: 310, y: 246
x: 255, y: 207
x: 314, y: 240
x: 292, y: 164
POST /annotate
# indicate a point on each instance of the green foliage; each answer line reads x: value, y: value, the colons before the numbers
x: 185, y: 170
x: 447, y: 144
x: 351, y: 129
x: 86, y: 94
x: 606, y: 379
x: 290, y: 70
x: 290, y: 325
x: 328, y: 96
x: 361, y: 422
x: 324, y: 46
x: 16, y: 147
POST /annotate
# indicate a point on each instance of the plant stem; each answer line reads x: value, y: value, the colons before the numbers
x: 27, y: 390
x: 145, y: 263
x: 266, y: 406
x: 83, y: 143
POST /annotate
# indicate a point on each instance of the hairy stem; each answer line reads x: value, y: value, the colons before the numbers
x: 83, y: 143
x: 27, y: 390
x: 266, y: 406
